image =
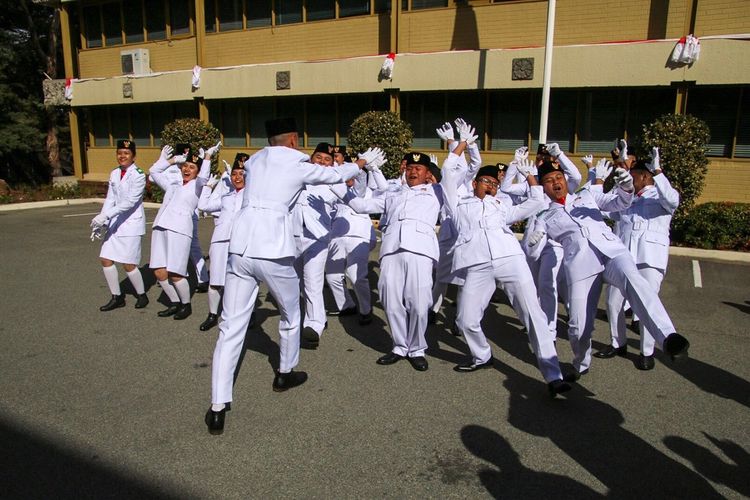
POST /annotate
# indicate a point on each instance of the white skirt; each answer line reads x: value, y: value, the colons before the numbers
x: 122, y: 249
x: 218, y: 256
x: 170, y: 250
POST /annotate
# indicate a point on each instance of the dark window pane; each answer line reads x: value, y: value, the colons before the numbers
x: 179, y: 16
x: 161, y: 114
x: 718, y: 108
x: 100, y: 126
x: 140, y: 125
x: 561, y: 121
x: 742, y: 149
x: 294, y: 107
x: 233, y: 123
x: 119, y: 122
x: 210, y: 13
x: 425, y: 113
x: 350, y: 107
x: 288, y: 11
x: 320, y: 9
x: 353, y: 7
x: 428, y: 4
x: 260, y: 111
x: 469, y: 106
x: 93, y: 24
x: 382, y: 6
x: 112, y: 28
x: 230, y: 15
x: 258, y: 13
x: 509, y: 115
x: 156, y: 24
x: 602, y: 120
x: 321, y: 120
x: 185, y: 109
x: 404, y: 4
x: 133, y: 22
x: 646, y: 105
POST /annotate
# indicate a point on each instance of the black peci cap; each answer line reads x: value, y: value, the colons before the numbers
x: 126, y: 144
x: 547, y: 167
x: 280, y: 126
x: 416, y: 158
x: 488, y: 171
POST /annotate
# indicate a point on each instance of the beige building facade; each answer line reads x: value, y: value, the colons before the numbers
x: 319, y: 60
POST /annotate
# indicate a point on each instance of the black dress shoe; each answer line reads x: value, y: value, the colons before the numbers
x: 142, y: 301
x: 557, y: 387
x: 285, y: 381
x: 676, y: 346
x: 611, y: 351
x: 215, y: 421
x: 419, y: 363
x: 115, y: 302
x: 184, y: 311
x: 472, y: 367
x: 211, y: 321
x: 575, y: 375
x: 455, y: 331
x: 431, y: 317
x: 349, y: 311
x: 645, y: 363
x: 365, y: 319
x: 201, y: 288
x: 169, y: 311
x: 389, y: 359
x: 309, y: 338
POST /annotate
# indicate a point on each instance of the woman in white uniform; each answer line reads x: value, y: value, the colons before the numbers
x: 173, y: 225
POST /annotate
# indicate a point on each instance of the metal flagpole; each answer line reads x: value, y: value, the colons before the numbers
x: 544, y: 118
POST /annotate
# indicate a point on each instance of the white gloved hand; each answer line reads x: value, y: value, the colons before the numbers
x: 166, y: 153
x: 460, y: 123
x: 655, y: 163
x: 96, y: 233
x: 213, y: 149
x: 622, y: 146
x: 201, y: 153
x: 179, y: 159
x: 521, y: 153
x: 467, y: 133
x: 526, y: 167
x: 445, y: 132
x: 433, y: 158
x: 212, y: 181
x: 535, y: 237
x: 98, y: 221
x: 588, y: 160
x: 227, y: 167
x: 554, y: 150
x: 603, y: 169
x: 368, y: 155
x: 377, y: 162
x: 624, y: 180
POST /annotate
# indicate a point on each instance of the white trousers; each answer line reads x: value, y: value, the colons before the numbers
x: 616, y: 312
x: 244, y: 275
x: 514, y: 276
x: 546, y: 271
x: 218, y: 255
x: 405, y: 288
x: 348, y: 259
x: 311, y: 266
x: 622, y: 273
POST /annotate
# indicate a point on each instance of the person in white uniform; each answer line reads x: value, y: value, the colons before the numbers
x: 262, y: 248
x: 593, y: 254
x: 490, y: 254
x: 644, y: 229
x: 123, y: 216
x: 173, y: 225
x: 227, y: 205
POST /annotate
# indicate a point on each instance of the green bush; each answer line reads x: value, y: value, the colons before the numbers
x: 197, y: 133
x: 682, y: 143
x: 716, y: 225
x: 385, y: 130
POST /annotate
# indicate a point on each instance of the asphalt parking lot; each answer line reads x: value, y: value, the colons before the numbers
x: 111, y: 405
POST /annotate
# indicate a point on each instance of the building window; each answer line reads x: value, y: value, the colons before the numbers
x: 288, y: 11
x: 142, y: 123
x: 561, y: 121
x: 258, y: 13
x: 349, y: 8
x: 230, y: 15
x: 602, y: 120
x: 321, y: 120
x: 112, y: 28
x: 742, y: 147
x: 423, y: 4
x: 92, y: 22
x: 261, y: 110
x: 471, y: 107
x: 210, y: 14
x: 425, y: 112
x: 510, y: 114
x: 382, y: 6
x: 646, y: 105
x: 179, y: 17
x: 133, y: 23
x: 718, y: 108
x: 156, y: 21
x: 318, y: 10
x: 352, y: 105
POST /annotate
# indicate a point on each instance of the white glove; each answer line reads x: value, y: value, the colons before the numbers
x: 98, y: 221
x: 521, y: 153
x: 654, y: 165
x: 622, y: 145
x: 166, y: 153
x: 377, y: 162
x: 624, y: 180
x: 588, y: 160
x: 460, y: 123
x: 553, y: 149
x: 467, y: 133
x: 526, y: 168
x: 227, y: 167
x: 369, y: 155
x: 603, y: 169
x: 433, y: 159
x: 214, y: 149
x: 96, y: 234
x: 445, y: 132
x: 535, y: 237
x: 201, y: 153
x: 212, y: 181
x: 179, y: 159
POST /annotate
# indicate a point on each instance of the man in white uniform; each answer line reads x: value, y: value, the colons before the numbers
x: 122, y: 214
x: 262, y: 248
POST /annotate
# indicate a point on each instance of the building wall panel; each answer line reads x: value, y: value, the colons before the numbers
x: 164, y: 56
x: 715, y: 17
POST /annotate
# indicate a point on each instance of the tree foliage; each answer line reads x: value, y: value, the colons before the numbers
x: 385, y: 130
x: 191, y: 131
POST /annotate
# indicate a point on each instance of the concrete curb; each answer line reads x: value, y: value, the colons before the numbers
x: 695, y: 253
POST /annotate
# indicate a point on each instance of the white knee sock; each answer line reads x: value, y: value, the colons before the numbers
x: 214, y: 299
x: 137, y: 280
x: 113, y: 280
x: 183, y: 290
x: 169, y: 290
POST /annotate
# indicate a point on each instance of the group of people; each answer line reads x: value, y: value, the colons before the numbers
x: 296, y: 221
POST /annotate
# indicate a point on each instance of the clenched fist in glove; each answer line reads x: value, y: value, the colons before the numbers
x: 624, y: 180
x: 535, y: 237
x: 553, y: 149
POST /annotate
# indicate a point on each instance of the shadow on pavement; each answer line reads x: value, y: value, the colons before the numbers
x: 712, y: 379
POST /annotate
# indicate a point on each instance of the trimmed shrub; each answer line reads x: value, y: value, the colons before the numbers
x: 197, y: 133
x: 716, y: 225
x: 385, y: 130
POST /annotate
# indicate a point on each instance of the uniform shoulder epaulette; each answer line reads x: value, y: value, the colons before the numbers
x: 137, y: 169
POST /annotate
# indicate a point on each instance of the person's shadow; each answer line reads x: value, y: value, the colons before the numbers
x: 712, y: 379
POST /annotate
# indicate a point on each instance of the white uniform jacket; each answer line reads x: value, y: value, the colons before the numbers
x: 579, y: 226
x: 347, y: 223
x: 312, y: 212
x: 274, y: 178
x: 644, y: 227
x: 180, y: 200
x: 123, y: 205
x: 227, y: 206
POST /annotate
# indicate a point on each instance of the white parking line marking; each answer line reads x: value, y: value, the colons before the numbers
x: 81, y: 215
x: 697, y: 280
